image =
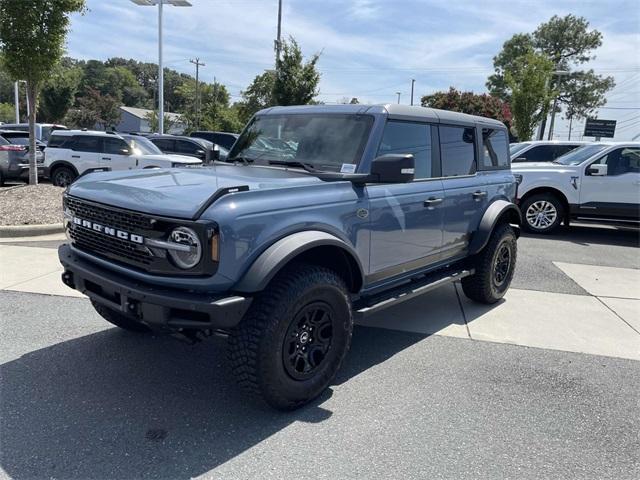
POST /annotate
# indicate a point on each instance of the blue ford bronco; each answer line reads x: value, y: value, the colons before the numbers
x: 320, y: 214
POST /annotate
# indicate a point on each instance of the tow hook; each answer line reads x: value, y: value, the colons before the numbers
x: 67, y: 279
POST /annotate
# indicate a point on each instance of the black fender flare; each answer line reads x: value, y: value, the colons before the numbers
x: 492, y: 215
x: 279, y: 254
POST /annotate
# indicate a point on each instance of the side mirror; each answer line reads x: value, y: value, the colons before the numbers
x: 597, y: 170
x: 393, y: 168
x: 126, y: 151
x: 519, y: 159
x: 215, y: 154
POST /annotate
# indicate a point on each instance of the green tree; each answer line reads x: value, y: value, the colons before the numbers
x: 258, y: 95
x: 568, y: 42
x: 7, y: 112
x: 59, y: 93
x: 471, y: 103
x: 296, y: 81
x: 528, y: 85
x: 94, y: 109
x: 154, y: 125
x: 32, y: 36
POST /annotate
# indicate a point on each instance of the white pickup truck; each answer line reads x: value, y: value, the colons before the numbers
x: 599, y: 181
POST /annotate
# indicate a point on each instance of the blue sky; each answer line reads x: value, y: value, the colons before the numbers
x: 370, y: 48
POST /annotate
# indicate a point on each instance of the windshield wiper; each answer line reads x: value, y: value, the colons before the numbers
x: 305, y: 166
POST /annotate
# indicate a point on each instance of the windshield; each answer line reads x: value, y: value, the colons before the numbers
x: 579, y: 155
x: 142, y: 145
x: 517, y: 147
x: 320, y: 141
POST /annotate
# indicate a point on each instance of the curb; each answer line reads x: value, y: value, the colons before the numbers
x: 11, y: 231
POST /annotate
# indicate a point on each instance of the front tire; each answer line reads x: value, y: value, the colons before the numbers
x: 542, y: 213
x: 494, y: 267
x: 63, y: 177
x: 118, y: 319
x: 293, y: 339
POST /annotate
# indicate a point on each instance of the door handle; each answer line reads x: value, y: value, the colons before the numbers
x: 106, y: 158
x: 479, y: 194
x: 431, y: 202
x: 75, y: 156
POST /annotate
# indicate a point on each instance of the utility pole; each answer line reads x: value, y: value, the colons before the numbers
x: 570, y: 124
x: 16, y: 98
x: 278, y: 44
x: 398, y: 93
x: 215, y: 101
x: 413, y: 81
x: 198, y: 64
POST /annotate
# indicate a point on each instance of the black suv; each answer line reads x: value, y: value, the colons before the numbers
x: 193, y: 147
x: 224, y: 139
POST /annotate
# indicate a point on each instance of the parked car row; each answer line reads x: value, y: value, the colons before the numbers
x: 63, y: 154
x: 597, y: 181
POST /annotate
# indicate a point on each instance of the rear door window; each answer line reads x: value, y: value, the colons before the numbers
x: 409, y: 137
x: 457, y: 151
x: 58, y: 141
x: 495, y: 150
x: 86, y: 143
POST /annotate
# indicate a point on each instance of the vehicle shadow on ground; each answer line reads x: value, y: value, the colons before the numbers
x: 119, y: 405
x: 592, y: 234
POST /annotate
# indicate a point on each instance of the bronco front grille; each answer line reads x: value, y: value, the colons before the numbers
x: 127, y: 250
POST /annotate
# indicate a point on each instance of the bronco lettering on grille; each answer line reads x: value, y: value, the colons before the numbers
x: 110, y: 231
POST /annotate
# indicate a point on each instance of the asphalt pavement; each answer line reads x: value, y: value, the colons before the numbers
x: 81, y: 400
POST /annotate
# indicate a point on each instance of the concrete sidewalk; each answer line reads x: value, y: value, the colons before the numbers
x: 605, y: 322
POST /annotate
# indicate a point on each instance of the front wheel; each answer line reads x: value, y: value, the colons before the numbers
x: 542, y: 213
x: 63, y: 177
x: 494, y: 267
x: 292, y: 341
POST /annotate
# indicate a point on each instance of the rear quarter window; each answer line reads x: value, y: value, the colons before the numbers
x: 495, y: 149
x: 58, y: 141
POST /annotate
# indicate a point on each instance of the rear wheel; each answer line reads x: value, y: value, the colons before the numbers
x: 63, y: 177
x: 292, y: 341
x: 118, y: 319
x: 494, y: 267
x: 543, y: 213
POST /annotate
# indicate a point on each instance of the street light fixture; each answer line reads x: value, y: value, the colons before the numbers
x: 159, y: 3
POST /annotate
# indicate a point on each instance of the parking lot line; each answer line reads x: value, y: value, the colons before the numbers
x: 557, y: 321
x: 604, y: 281
x: 20, y: 264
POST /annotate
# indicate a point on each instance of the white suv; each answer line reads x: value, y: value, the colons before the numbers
x: 600, y: 181
x: 542, y: 150
x: 71, y: 153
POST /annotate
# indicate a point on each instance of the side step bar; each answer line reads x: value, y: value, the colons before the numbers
x: 368, y: 305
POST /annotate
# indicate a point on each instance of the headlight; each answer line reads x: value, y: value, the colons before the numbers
x: 188, y: 257
x: 518, y: 178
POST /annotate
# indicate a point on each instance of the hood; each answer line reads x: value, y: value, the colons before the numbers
x: 172, y: 158
x: 179, y: 192
x: 540, y: 167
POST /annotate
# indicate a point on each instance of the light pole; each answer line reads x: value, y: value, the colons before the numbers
x: 159, y: 3
x: 16, y: 98
x: 413, y: 82
x: 558, y: 73
x: 398, y: 93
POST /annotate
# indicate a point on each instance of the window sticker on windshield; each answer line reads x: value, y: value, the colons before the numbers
x: 348, y: 168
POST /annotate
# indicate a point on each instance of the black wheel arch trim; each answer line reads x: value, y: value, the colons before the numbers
x: 280, y: 253
x: 62, y: 163
x: 498, y: 210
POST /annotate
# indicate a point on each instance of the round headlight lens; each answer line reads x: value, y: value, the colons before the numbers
x: 188, y: 258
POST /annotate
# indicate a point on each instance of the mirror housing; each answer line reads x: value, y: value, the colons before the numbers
x: 393, y: 168
x: 597, y: 170
x: 215, y: 154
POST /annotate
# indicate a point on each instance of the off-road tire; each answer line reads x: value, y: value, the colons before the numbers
x: 543, y: 199
x: 482, y: 286
x: 119, y: 320
x: 258, y: 345
x: 61, y: 173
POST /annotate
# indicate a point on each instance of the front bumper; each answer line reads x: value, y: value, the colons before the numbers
x: 160, y: 308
